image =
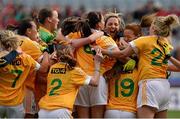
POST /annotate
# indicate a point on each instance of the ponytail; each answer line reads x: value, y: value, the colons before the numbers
x: 64, y: 55
x: 163, y: 25
x: 83, y: 27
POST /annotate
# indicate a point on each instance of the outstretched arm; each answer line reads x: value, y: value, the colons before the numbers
x: 173, y: 68
x: 83, y: 41
x: 45, y: 63
x: 119, y: 54
x: 98, y: 59
x: 76, y: 43
x: 176, y: 65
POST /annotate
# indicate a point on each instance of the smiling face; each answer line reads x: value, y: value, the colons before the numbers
x: 132, y: 31
x: 129, y: 35
x: 54, y: 20
x: 32, y: 32
x: 112, y: 25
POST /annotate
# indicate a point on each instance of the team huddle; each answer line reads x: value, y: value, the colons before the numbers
x: 93, y: 66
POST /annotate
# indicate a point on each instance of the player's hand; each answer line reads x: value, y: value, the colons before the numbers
x: 98, y: 57
x: 130, y: 65
x: 95, y: 47
x: 122, y: 44
x: 53, y: 56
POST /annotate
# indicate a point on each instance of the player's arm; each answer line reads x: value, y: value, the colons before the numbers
x: 83, y: 41
x: 76, y: 43
x: 44, y: 63
x: 129, y: 64
x: 119, y: 54
x: 173, y: 68
x: 176, y: 65
x: 94, y: 81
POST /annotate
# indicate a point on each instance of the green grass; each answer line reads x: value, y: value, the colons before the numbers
x: 174, y: 114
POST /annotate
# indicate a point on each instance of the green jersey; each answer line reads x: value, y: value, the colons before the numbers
x: 46, y: 35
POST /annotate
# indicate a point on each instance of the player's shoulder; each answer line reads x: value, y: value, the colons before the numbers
x: 77, y: 70
x: 74, y: 35
x: 24, y: 38
x: 104, y: 37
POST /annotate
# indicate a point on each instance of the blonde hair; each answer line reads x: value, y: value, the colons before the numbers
x: 163, y: 25
x: 64, y: 54
x: 115, y: 15
x: 146, y: 20
x: 8, y: 40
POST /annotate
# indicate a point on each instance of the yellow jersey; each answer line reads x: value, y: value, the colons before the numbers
x: 152, y: 63
x: 84, y: 55
x: 123, y: 92
x: 12, y: 78
x: 108, y: 43
x: 62, y: 87
x: 75, y: 35
x: 31, y: 48
x: 46, y: 35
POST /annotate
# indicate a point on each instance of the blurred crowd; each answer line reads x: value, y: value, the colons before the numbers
x: 12, y: 13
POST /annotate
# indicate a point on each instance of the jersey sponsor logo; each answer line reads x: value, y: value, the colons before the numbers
x: 17, y: 62
x: 58, y: 71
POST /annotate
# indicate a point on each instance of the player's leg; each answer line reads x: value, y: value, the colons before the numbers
x: 98, y: 98
x: 146, y: 112
x: 83, y: 112
x: 98, y: 111
x: 82, y: 103
x: 161, y: 114
x: 153, y: 97
x: 147, y: 104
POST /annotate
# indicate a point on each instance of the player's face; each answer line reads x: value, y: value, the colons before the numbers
x: 32, y: 32
x: 54, y: 20
x: 151, y: 30
x: 112, y: 25
x: 129, y: 35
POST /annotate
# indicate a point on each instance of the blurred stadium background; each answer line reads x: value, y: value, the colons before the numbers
x: 12, y: 11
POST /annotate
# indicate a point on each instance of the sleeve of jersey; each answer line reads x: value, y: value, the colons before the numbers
x: 106, y: 42
x: 34, y: 65
x: 137, y: 45
x: 79, y: 77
